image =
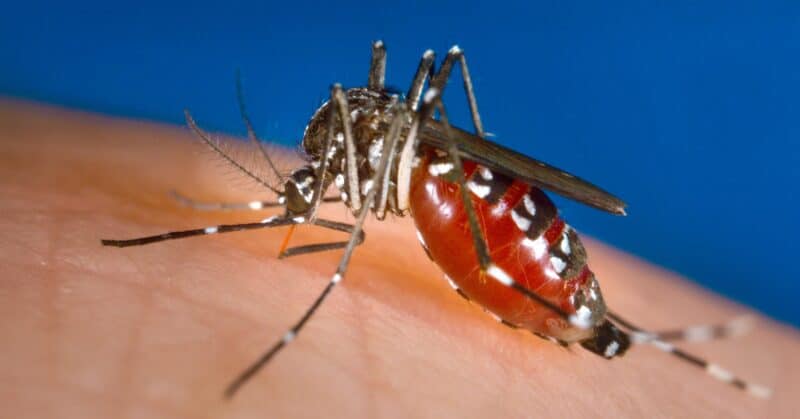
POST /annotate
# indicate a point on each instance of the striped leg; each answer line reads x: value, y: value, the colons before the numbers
x: 235, y: 206
x: 225, y: 228
x: 273, y: 221
x: 341, y: 269
x: 339, y: 103
x: 440, y: 79
x: 638, y: 335
x: 702, y: 333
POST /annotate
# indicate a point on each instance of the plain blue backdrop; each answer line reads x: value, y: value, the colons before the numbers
x: 687, y: 110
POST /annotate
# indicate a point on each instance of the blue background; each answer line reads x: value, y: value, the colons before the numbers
x: 687, y: 110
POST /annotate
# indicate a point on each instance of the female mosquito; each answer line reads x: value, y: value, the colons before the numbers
x: 479, y: 208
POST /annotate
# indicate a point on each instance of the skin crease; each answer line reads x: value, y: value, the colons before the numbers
x: 160, y: 330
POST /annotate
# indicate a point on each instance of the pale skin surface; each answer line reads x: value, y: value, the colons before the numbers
x: 160, y: 330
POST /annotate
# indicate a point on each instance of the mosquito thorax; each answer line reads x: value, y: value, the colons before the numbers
x: 370, y: 113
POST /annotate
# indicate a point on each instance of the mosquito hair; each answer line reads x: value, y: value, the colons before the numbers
x: 207, y: 139
x: 251, y: 132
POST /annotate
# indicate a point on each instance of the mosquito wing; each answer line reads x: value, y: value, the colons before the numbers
x: 518, y: 166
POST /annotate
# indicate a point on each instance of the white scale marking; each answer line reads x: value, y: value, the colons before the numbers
x: 299, y: 219
x: 529, y: 205
x: 455, y: 49
x: 255, y: 205
x: 759, y: 391
x: 611, y: 349
x: 641, y: 337
x: 339, y: 137
x: 565, y: 242
x: 582, y: 318
x: 269, y: 219
x: 494, y: 316
x: 366, y: 186
x: 289, y: 336
x: 482, y: 191
x: 308, y: 195
x: 339, y: 181
x: 308, y: 180
x: 486, y: 174
x: 431, y: 94
x: 698, y: 333
x: 522, y: 223
x: 337, y: 278
x: 438, y: 169
x: 374, y: 153
x: 719, y: 373
x: 739, y: 326
x: 558, y: 264
x: 661, y: 345
x: 539, y: 246
x: 210, y: 230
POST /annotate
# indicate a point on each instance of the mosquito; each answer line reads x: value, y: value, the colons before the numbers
x: 479, y: 208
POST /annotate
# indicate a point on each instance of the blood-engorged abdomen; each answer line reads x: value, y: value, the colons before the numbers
x: 525, y: 237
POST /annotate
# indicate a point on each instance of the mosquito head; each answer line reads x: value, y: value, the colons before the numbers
x: 299, y: 191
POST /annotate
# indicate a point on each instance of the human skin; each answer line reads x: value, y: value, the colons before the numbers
x: 160, y: 330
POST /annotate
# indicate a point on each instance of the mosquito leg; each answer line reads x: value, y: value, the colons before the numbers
x: 223, y: 206
x: 251, y: 132
x: 702, y: 333
x: 340, y: 104
x: 377, y: 67
x: 337, y: 277
x: 424, y: 71
x: 234, y: 206
x: 441, y: 78
x: 224, y: 228
x: 432, y: 98
x: 322, y: 247
x: 319, y: 191
x: 638, y: 335
x: 390, y: 149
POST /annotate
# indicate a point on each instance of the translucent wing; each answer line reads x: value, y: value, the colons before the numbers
x: 519, y: 166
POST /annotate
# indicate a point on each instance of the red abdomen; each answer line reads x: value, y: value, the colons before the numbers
x: 525, y: 238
